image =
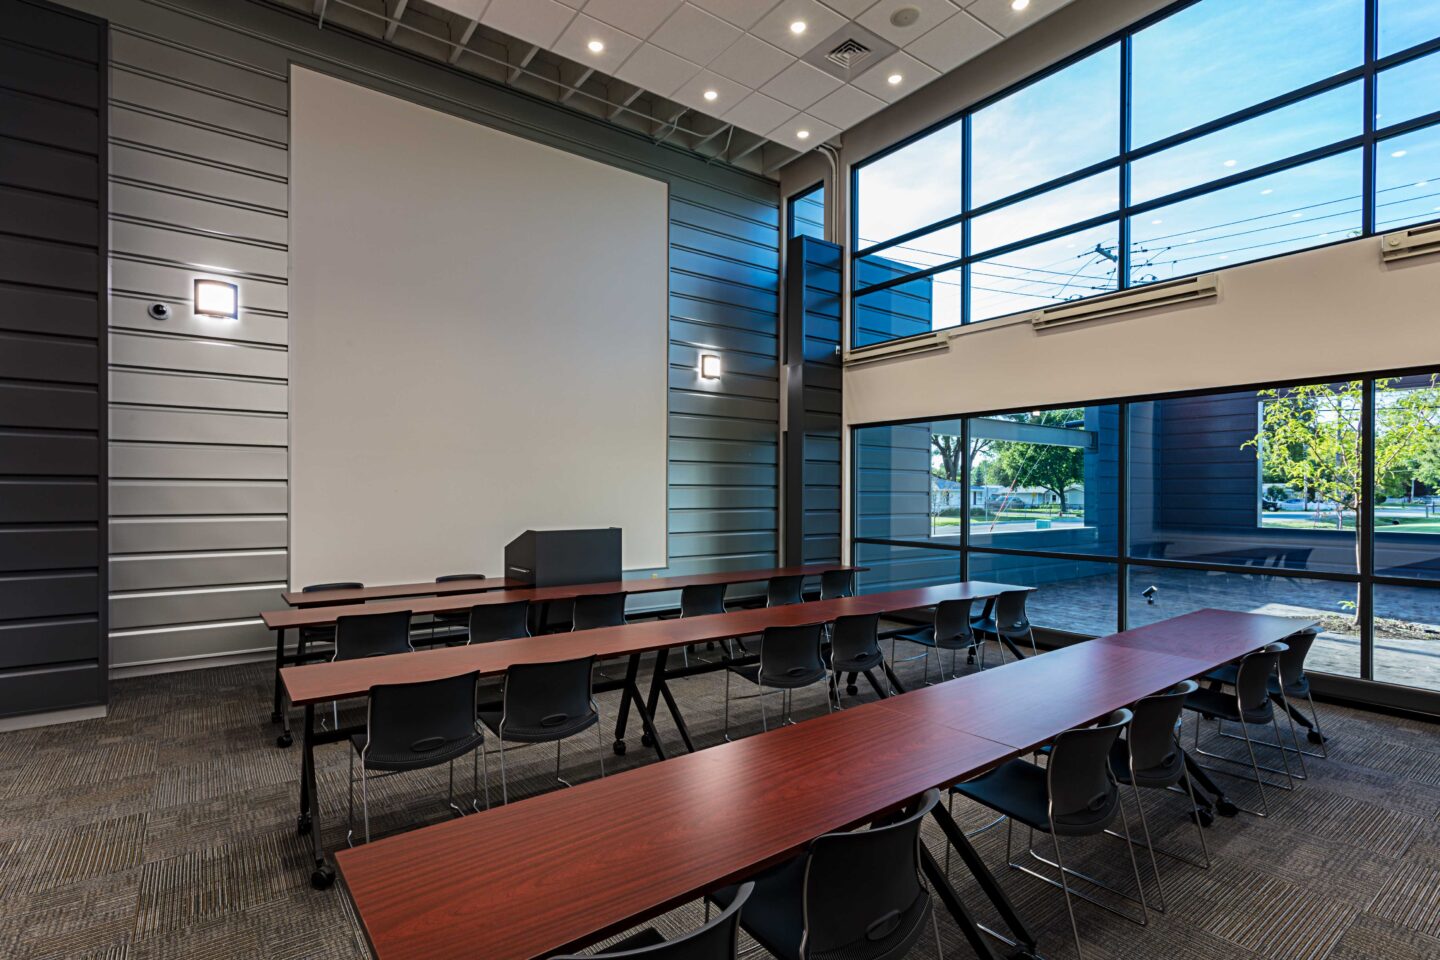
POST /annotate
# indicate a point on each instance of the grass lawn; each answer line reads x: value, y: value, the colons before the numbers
x: 1382, y: 523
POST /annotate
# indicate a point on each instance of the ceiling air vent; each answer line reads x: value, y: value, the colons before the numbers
x: 849, y: 52
x: 848, y: 55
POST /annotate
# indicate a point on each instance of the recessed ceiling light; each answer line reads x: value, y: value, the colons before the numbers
x: 1018, y: 5
x: 803, y: 134
x: 712, y: 95
x: 894, y: 79
x: 797, y: 27
x: 596, y: 46
x: 1397, y: 154
x: 1296, y: 216
x: 1267, y: 191
x: 1230, y: 163
x: 1157, y: 221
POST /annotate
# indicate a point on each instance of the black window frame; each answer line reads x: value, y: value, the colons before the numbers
x: 797, y: 197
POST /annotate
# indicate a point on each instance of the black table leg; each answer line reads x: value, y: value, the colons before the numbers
x: 1205, y: 784
x: 277, y: 714
x: 875, y: 684
x: 967, y: 923
x: 622, y: 718
x: 323, y: 874
x: 633, y: 695
x: 894, y: 680
x: 674, y: 712
x: 1010, y: 645
x: 1024, y: 939
x: 656, y: 680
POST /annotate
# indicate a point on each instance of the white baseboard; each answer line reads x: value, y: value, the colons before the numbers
x: 150, y: 668
x: 51, y: 717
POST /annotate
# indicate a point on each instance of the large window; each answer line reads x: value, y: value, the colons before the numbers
x: 807, y: 213
x: 1317, y: 501
x: 1204, y: 139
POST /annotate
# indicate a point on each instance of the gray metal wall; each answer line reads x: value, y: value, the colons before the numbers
x: 198, y: 413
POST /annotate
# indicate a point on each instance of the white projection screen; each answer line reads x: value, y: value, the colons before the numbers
x: 477, y: 342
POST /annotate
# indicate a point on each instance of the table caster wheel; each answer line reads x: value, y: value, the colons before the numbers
x: 302, y: 824
x: 284, y: 740
x: 619, y: 748
x: 323, y: 877
x: 1203, y: 817
x: 852, y: 691
x: 1225, y: 807
x: 646, y: 740
x: 1315, y: 736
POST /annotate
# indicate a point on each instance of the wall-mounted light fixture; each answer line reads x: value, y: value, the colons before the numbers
x: 216, y: 298
x: 709, y: 366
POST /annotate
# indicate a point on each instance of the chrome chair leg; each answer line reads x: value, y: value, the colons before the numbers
x: 350, y: 806
x: 1069, y: 906
x: 726, y: 735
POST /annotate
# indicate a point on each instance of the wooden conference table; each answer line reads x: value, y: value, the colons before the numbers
x: 318, y: 683
x: 322, y: 608
x: 561, y: 870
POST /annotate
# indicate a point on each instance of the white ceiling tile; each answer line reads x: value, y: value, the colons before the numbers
x: 845, y: 107
x: 932, y: 14
x: 955, y: 41
x: 638, y: 17
x: 692, y: 93
x: 742, y: 13
x: 534, y: 21
x: 788, y: 132
x: 849, y: 8
x: 656, y: 70
x: 820, y: 21
x: 573, y: 43
x: 751, y: 61
x: 577, y: 4
x: 801, y: 85
x: 759, y: 114
x: 999, y: 16
x: 472, y: 8
x: 694, y: 34
x: 914, y: 75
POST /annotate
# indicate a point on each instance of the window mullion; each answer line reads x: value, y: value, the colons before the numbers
x: 1122, y: 255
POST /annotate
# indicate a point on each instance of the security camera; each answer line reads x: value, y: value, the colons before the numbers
x: 160, y: 311
x: 1149, y: 594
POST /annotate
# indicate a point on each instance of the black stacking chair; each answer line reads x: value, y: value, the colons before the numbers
x: 850, y: 896
x: 951, y: 631
x: 545, y: 703
x: 598, y: 610
x: 412, y: 726
x: 701, y: 600
x: 1292, y: 685
x: 784, y: 591
x: 499, y: 621
x: 1150, y: 757
x: 309, y: 635
x: 716, y: 940
x: 362, y: 635
x: 448, y: 622
x: 855, y: 648
x: 790, y: 658
x: 1075, y: 795
x: 835, y: 584
x: 1007, y: 621
x: 1248, y: 705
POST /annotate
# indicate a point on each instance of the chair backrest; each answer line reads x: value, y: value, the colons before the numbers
x: 952, y: 621
x: 454, y: 577
x: 862, y: 892
x: 854, y: 636
x: 835, y: 584
x: 421, y: 717
x: 1151, y: 734
x: 1083, y: 794
x: 1252, y: 678
x: 598, y: 610
x: 499, y: 621
x: 791, y: 651
x: 783, y: 591
x: 541, y: 696
x: 361, y: 635
x: 343, y: 585
x: 1292, y: 661
x: 1010, y: 618
x: 702, y: 600
x: 717, y: 940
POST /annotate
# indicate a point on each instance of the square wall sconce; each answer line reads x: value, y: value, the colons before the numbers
x: 709, y: 366
x: 216, y: 298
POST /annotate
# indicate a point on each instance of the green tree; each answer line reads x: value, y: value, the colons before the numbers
x: 947, y: 448
x: 1057, y: 469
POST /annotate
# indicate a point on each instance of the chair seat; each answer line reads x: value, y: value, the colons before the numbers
x: 514, y: 734
x: 1227, y: 674
x: 860, y: 664
x: 791, y: 681
x: 442, y: 752
x: 1155, y: 777
x: 1016, y: 788
x: 926, y: 638
x: 1220, y: 705
x: 774, y: 915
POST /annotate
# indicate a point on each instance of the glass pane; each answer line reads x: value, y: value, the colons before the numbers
x: 907, y: 481
x: 918, y: 306
x: 1407, y: 179
x: 901, y: 568
x: 807, y: 214
x: 1407, y: 636
x: 1063, y: 123
x: 1337, y: 650
x: 1407, y: 477
x: 1045, y: 480
x: 1067, y: 268
x: 1076, y: 596
x: 1408, y: 91
x: 1056, y: 208
x: 1264, y: 479
x: 1220, y: 56
x: 1404, y: 23
x: 1304, y: 206
x: 1313, y: 122
x: 915, y: 185
x: 927, y: 250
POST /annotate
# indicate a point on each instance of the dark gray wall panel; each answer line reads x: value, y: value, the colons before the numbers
x: 48, y: 548
x: 48, y: 642
x: 161, y: 498
x: 48, y: 405
x: 56, y: 312
x: 51, y: 688
x: 161, y: 571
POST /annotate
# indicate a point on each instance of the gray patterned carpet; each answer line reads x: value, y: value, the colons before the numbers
x: 166, y: 830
